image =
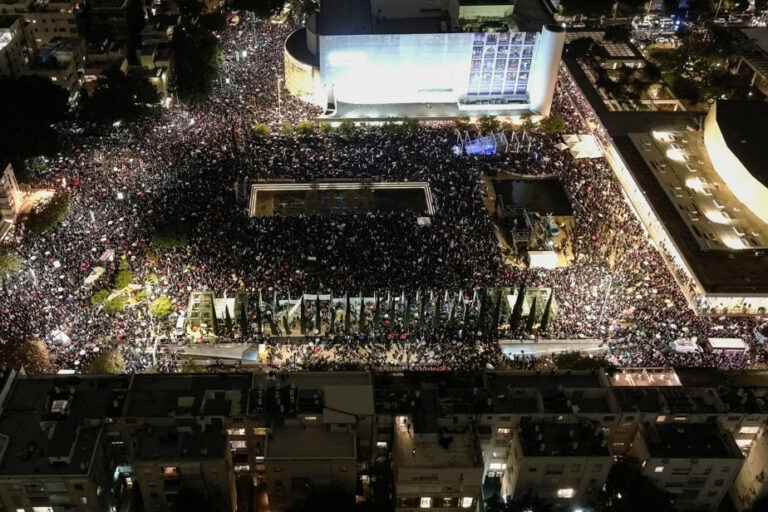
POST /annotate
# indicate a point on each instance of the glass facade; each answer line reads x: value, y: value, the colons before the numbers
x: 501, y: 66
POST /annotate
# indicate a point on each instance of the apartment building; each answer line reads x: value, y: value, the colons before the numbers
x: 696, y: 462
x: 54, y: 453
x: 45, y: 19
x: 566, y: 463
x: 14, y: 53
x: 178, y: 464
x: 90, y: 443
x: 10, y: 199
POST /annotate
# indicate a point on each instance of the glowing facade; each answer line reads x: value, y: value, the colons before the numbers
x: 426, y: 61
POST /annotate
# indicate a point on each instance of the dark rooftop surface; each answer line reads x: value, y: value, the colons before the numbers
x: 718, y: 272
x: 547, y: 439
x: 742, y: 124
x: 171, y: 444
x: 689, y: 440
x: 296, y: 44
x: 344, y: 17
x: 541, y: 195
x: 44, y: 420
x: 205, y: 395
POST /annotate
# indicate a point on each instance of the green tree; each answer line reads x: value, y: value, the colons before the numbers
x: 49, y: 216
x: 118, y: 96
x: 517, y: 310
x: 262, y: 8
x: 124, y: 275
x: 577, y: 361
x: 100, y: 297
x: 116, y: 305
x: 546, y: 316
x: 10, y: 263
x: 109, y: 362
x: 489, y: 124
x: 305, y: 129
x: 553, y: 124
x: 530, y: 321
x: 260, y: 130
x: 34, y: 356
x: 161, y: 307
x: 347, y: 129
x: 197, y: 60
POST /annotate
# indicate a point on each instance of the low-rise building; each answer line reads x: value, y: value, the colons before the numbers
x: 14, y: 50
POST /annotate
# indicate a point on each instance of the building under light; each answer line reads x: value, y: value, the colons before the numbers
x: 700, y: 189
x: 442, y: 58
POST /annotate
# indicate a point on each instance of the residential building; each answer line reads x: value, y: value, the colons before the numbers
x: 14, y: 49
x: 10, y: 199
x: 696, y: 462
x: 566, y: 463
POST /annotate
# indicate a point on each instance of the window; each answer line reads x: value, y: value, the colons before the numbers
x: 42, y: 509
x: 170, y: 472
x: 503, y: 431
x: 466, y: 501
x: 381, y: 444
x: 425, y: 502
x: 237, y: 445
x: 567, y: 493
x: 497, y: 466
x: 242, y: 467
x: 658, y: 469
x: 749, y: 430
x: 236, y: 431
x: 84, y: 500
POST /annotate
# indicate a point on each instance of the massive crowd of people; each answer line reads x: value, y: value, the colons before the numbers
x: 186, y: 169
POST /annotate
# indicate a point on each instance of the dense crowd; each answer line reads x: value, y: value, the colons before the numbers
x: 186, y: 169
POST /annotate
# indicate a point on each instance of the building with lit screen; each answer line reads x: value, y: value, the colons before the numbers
x: 392, y: 58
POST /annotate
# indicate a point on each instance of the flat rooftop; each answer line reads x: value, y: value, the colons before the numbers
x: 157, y: 395
x: 44, y: 420
x: 171, y: 444
x: 741, y: 272
x: 689, y: 440
x: 310, y: 443
x: 548, y: 439
x: 425, y: 450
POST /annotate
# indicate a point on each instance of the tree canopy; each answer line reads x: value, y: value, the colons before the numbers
x: 197, y: 61
x: 110, y: 362
x: 118, y: 96
x: 161, y: 307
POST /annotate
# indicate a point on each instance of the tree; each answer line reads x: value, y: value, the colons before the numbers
x: 546, y: 316
x: 161, y: 307
x: 116, y: 305
x: 124, y: 275
x: 37, y: 104
x: 33, y: 355
x: 577, y: 361
x: 530, y: 322
x: 99, y: 298
x: 227, y: 321
x: 109, y: 362
x: 305, y: 129
x: 243, y: 316
x: 50, y: 215
x: 260, y: 130
x: 262, y: 8
x: 197, y: 60
x: 489, y: 124
x: 10, y: 263
x: 118, y: 96
x: 517, y: 310
x: 347, y: 129
x: 553, y: 124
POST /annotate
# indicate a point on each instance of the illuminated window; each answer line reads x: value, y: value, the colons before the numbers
x: 467, y: 501
x: 236, y: 431
x: 658, y: 469
x: 242, y: 467
x: 425, y: 502
x: 661, y: 419
x: 20, y: 510
x: 568, y: 493
x: 381, y: 444
x: 237, y: 445
x: 42, y: 509
x: 311, y: 418
x: 170, y: 471
x: 497, y: 466
x: 502, y: 430
x: 749, y: 430
x: 260, y: 431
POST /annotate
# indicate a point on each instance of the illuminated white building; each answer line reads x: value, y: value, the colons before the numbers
x: 461, y: 57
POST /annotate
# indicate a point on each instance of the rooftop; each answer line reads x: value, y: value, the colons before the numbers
x: 689, y: 440
x: 445, y: 450
x: 310, y: 443
x: 180, y: 395
x: 550, y: 439
x: 733, y: 272
x: 742, y: 124
x: 171, y: 444
x: 45, y: 427
x: 540, y: 195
